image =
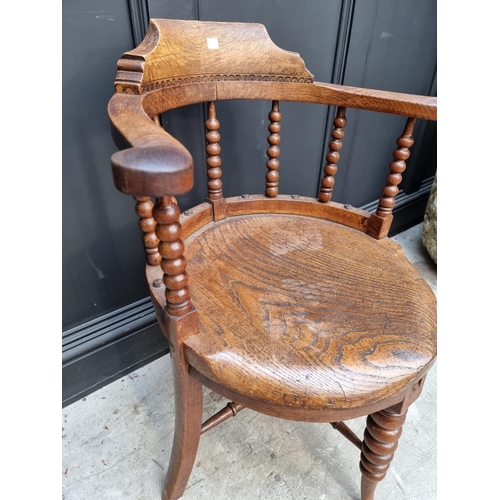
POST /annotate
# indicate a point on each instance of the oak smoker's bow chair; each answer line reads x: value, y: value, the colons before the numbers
x: 296, y: 307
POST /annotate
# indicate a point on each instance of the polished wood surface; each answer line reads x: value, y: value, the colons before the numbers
x: 210, y: 51
x: 299, y: 205
x: 296, y: 307
x: 383, y: 429
x: 144, y: 209
x: 156, y: 164
x: 230, y: 410
x: 273, y: 151
x: 333, y: 156
x: 380, y: 222
x: 335, y: 95
x: 173, y: 262
x: 213, y: 150
x: 305, y: 329
x: 188, y: 406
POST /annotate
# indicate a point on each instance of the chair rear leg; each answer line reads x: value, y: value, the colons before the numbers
x: 382, y: 432
x: 188, y: 416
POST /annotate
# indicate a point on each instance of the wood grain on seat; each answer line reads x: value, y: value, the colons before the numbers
x: 302, y: 312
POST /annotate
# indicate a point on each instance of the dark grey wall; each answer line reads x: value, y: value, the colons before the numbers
x: 108, y: 323
x: 99, y: 234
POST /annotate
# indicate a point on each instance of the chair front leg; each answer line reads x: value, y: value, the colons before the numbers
x: 383, y: 430
x: 188, y: 417
x: 188, y: 407
x: 179, y: 322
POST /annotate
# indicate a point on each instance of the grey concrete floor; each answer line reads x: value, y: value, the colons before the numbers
x: 116, y: 442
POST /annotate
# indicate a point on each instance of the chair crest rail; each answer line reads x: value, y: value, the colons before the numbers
x: 187, y: 62
x: 205, y: 53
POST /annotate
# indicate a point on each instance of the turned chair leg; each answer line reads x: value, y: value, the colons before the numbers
x: 188, y: 416
x: 382, y: 432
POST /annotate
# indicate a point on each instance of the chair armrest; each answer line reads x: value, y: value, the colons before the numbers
x: 150, y: 161
x: 396, y: 103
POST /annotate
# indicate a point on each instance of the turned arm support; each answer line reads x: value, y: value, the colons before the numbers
x: 150, y: 161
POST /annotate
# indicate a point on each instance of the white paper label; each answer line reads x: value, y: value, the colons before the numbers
x: 213, y: 43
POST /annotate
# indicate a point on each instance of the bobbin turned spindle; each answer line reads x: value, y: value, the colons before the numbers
x: 333, y: 156
x: 273, y: 151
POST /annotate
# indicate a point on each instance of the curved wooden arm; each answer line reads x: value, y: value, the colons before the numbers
x: 151, y: 162
x: 416, y: 106
x: 185, y: 62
